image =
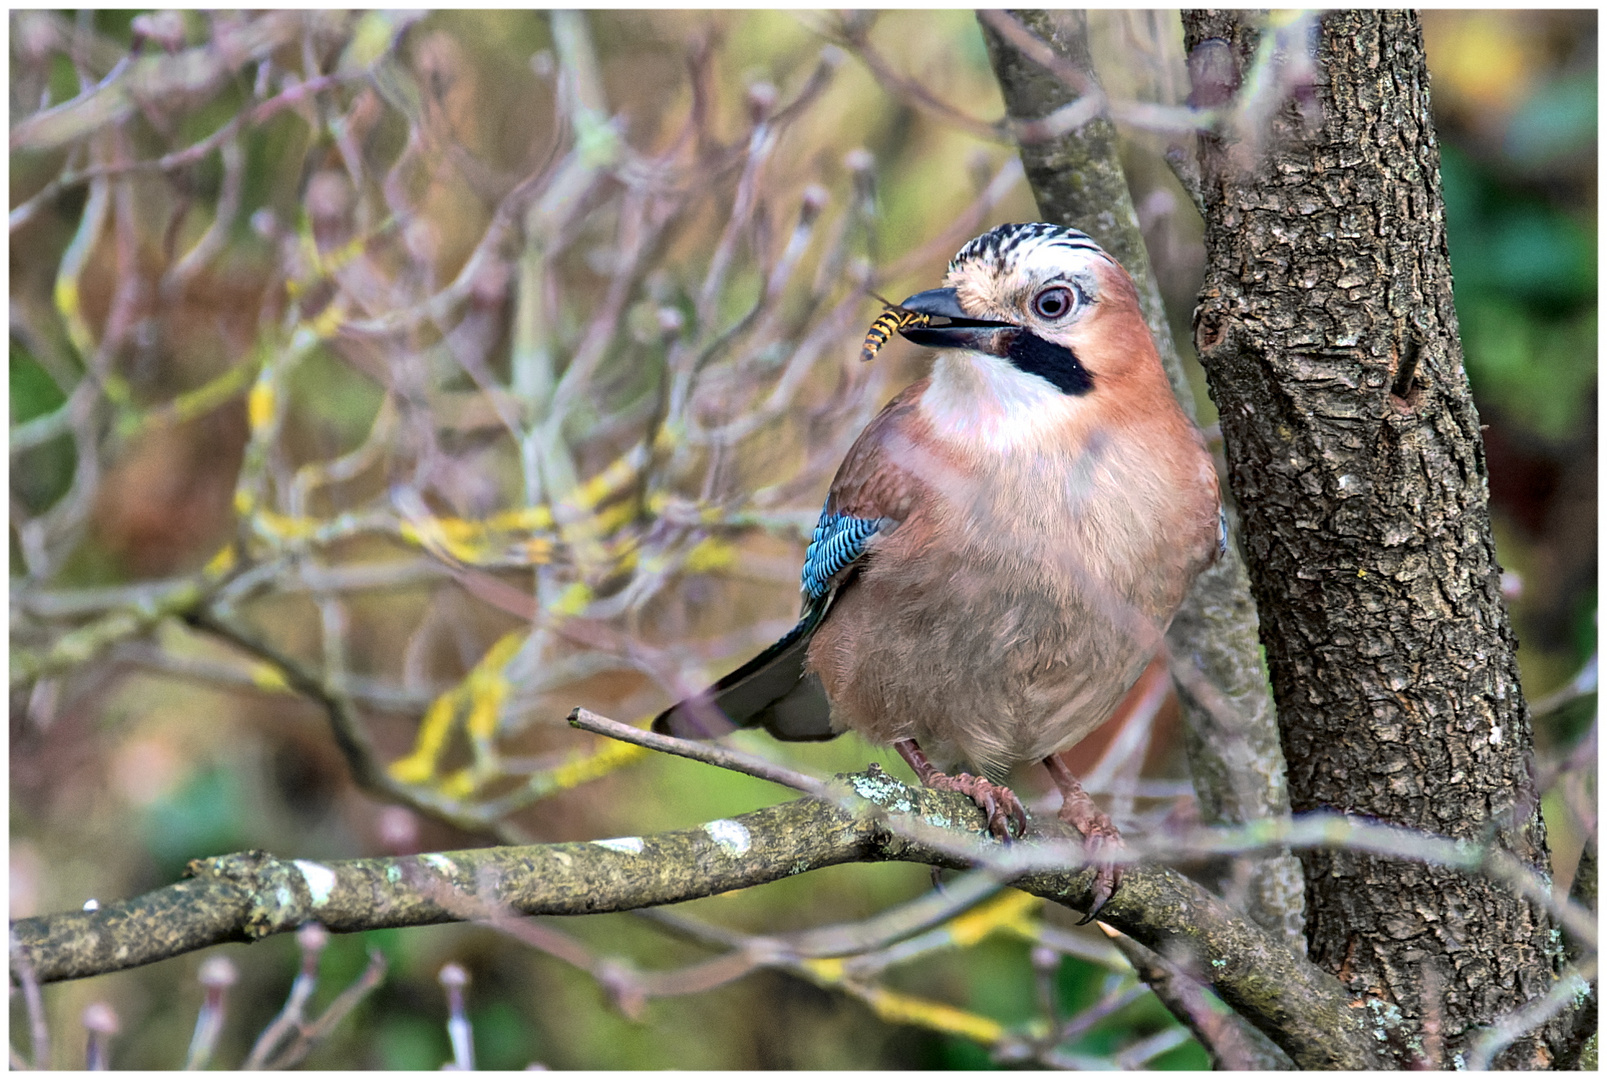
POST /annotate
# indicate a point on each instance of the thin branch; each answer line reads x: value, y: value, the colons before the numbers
x: 1232, y: 1043
x: 155, y: 78
x: 355, y: 745
x: 709, y: 753
x: 38, y: 1028
x: 1569, y: 991
x: 315, y: 1031
x: 853, y: 34
x: 1583, y: 684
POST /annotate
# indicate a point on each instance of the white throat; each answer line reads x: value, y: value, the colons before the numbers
x: 987, y: 404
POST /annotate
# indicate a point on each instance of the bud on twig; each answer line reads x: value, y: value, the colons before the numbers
x: 165, y: 28
x: 100, y: 1020
x: 312, y: 938
x: 814, y: 201
x: 398, y: 829
x: 761, y: 101
x: 670, y: 321
x: 217, y: 974
x: 454, y: 977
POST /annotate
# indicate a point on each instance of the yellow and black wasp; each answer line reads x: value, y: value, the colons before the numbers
x: 893, y: 319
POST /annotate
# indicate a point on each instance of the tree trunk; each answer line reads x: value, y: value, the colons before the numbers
x: 1327, y: 330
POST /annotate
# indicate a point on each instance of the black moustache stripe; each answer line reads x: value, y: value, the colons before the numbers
x: 1054, y: 363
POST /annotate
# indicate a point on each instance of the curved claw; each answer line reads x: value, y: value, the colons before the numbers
x: 998, y: 802
x: 1107, y: 875
x: 1099, y: 834
x: 1018, y: 814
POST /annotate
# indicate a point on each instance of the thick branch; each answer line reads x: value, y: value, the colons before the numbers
x: 251, y: 895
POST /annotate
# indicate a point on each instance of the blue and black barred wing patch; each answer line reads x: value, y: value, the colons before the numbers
x: 839, y: 540
x: 773, y: 690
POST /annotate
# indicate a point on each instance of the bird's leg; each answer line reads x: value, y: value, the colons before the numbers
x: 996, y: 800
x: 1078, y: 810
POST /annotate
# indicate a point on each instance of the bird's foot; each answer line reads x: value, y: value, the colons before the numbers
x: 998, y: 802
x: 1101, y: 838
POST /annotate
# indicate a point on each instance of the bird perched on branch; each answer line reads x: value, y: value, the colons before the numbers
x: 1005, y: 544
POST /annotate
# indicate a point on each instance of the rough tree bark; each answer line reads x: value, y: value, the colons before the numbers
x: 1232, y: 738
x: 1327, y: 329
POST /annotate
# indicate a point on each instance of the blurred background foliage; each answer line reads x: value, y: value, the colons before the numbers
x: 1515, y: 105
x: 168, y: 747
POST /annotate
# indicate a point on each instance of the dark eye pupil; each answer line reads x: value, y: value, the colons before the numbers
x: 1052, y: 304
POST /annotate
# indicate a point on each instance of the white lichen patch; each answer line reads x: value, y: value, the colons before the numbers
x: 629, y: 845
x: 889, y: 793
x: 440, y: 862
x: 320, y: 880
x: 871, y: 788
x: 731, y: 836
x: 1495, y: 735
x: 393, y: 874
x: 1386, y: 1018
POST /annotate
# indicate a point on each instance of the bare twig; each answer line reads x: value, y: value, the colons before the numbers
x: 361, y: 756
x: 453, y: 978
x: 1232, y: 1043
x: 38, y: 1029
x: 217, y: 974
x: 314, y: 1032
x: 311, y: 938
x: 853, y: 34
x: 100, y: 1024
x: 1581, y: 685
x: 1569, y: 991
x: 708, y: 753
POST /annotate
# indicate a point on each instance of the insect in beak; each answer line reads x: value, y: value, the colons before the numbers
x: 893, y: 319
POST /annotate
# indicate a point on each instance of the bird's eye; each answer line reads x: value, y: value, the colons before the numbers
x: 1052, y: 303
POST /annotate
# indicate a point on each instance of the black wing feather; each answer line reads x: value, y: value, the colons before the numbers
x: 769, y: 691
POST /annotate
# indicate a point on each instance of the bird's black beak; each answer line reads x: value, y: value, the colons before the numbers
x: 951, y: 328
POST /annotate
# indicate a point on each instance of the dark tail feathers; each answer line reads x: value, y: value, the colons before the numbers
x: 770, y: 691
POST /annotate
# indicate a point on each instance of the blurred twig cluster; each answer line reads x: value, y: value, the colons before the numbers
x: 283, y: 1044
x: 556, y: 396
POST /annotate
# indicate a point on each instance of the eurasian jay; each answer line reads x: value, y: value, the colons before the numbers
x: 1005, y: 544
